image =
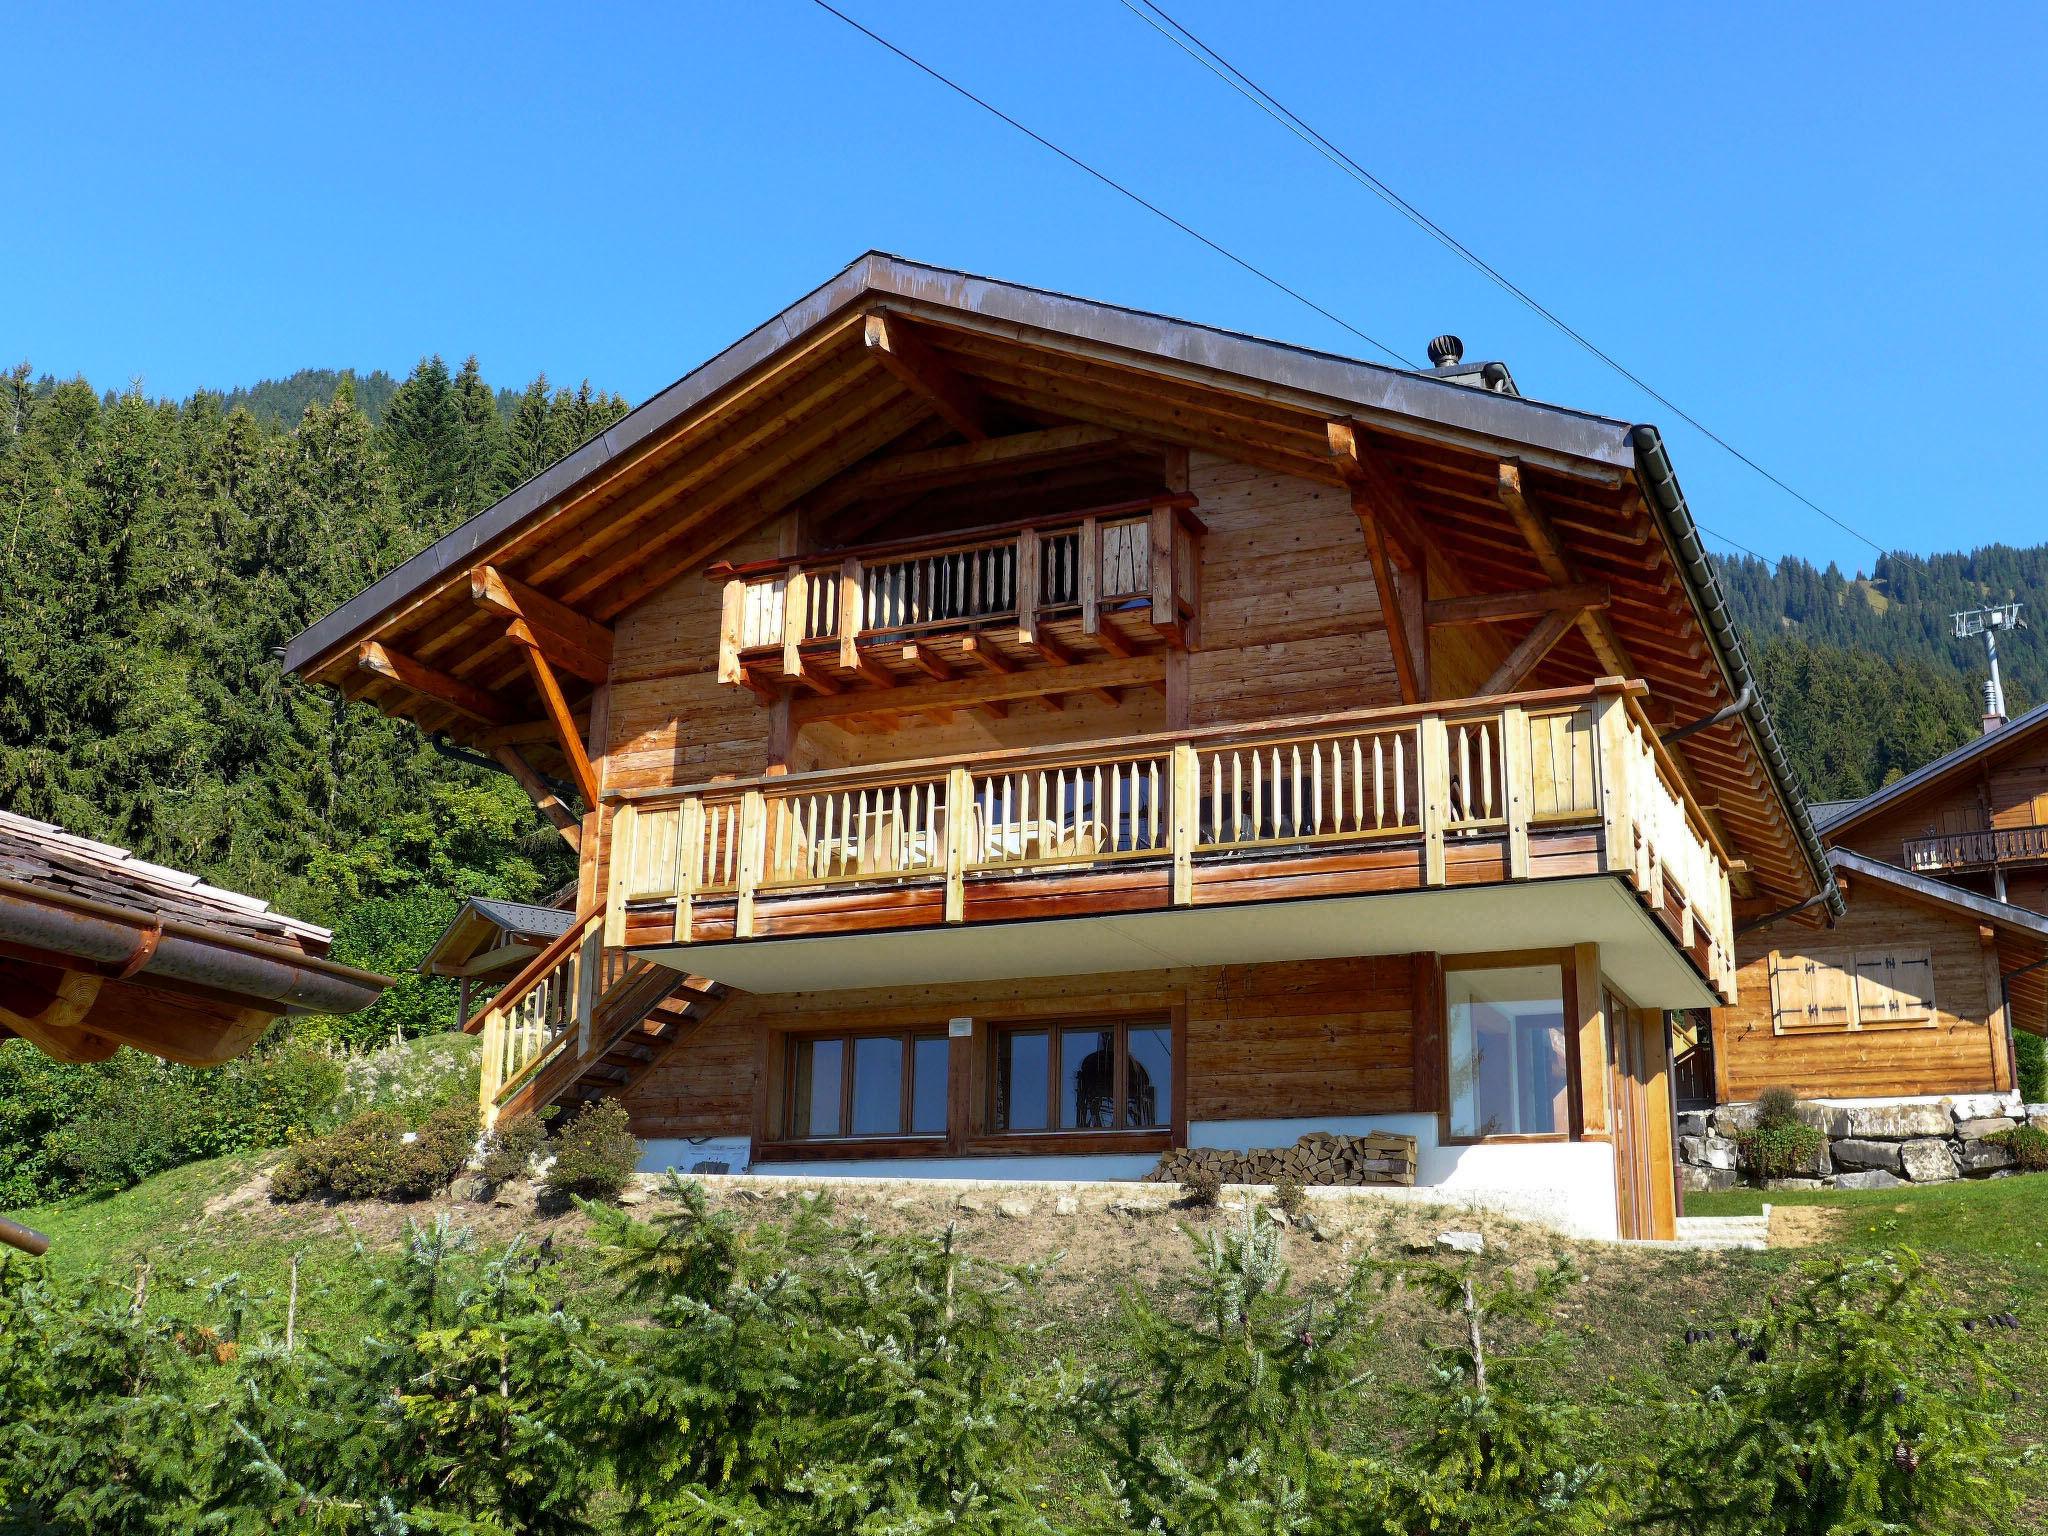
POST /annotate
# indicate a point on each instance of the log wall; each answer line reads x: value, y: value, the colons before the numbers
x: 1961, y: 1051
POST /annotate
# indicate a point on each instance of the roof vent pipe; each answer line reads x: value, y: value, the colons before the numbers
x: 1446, y: 351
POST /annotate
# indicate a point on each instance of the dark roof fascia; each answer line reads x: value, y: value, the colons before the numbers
x: 1928, y: 774
x: 1667, y: 503
x: 1986, y: 908
x: 1342, y: 384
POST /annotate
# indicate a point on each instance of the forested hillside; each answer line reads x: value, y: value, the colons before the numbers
x: 1864, y: 674
x: 155, y: 555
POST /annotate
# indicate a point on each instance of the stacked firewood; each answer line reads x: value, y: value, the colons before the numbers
x: 1320, y: 1157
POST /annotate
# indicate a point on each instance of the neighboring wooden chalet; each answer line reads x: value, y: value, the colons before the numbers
x: 1976, y: 817
x: 488, y: 942
x: 99, y: 949
x: 1020, y: 735
x: 1914, y: 993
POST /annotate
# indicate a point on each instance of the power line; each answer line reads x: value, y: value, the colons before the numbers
x: 1250, y: 89
x: 1187, y: 229
x: 1108, y: 181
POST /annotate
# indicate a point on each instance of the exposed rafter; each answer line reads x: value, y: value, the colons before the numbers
x: 430, y: 682
x: 931, y: 467
x: 895, y: 344
x: 576, y: 644
x: 558, y: 815
x: 1525, y: 658
x: 568, y: 738
x: 1559, y: 567
x: 1397, y: 551
x: 1533, y: 603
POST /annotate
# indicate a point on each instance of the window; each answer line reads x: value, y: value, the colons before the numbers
x: 1097, y: 1075
x: 867, y: 1085
x: 1509, y: 1073
x: 1852, y: 989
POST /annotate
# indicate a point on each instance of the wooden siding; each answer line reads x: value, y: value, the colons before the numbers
x: 1328, y: 1037
x: 1961, y: 1051
x: 2007, y: 790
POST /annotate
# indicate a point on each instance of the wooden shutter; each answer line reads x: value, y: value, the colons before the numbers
x: 1811, y: 992
x: 1894, y: 986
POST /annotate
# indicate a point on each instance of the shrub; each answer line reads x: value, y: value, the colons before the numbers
x: 1201, y: 1190
x: 2032, y: 1052
x: 1780, y: 1142
x: 2029, y: 1146
x: 1291, y: 1197
x: 370, y: 1158
x: 510, y: 1148
x: 596, y: 1155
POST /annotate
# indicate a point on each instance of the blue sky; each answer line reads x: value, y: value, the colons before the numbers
x: 1819, y: 228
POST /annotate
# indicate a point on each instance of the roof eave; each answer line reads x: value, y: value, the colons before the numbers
x: 1322, y: 380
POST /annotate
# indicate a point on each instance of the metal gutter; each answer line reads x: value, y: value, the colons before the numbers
x: 1674, y: 518
x: 110, y: 939
x: 1989, y: 908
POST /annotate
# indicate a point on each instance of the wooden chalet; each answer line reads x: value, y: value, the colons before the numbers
x: 1916, y: 991
x: 488, y: 942
x: 99, y: 949
x: 1006, y: 734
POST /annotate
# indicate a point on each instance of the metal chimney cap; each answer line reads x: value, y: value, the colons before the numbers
x: 1446, y: 351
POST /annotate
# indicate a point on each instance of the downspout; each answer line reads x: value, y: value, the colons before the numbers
x: 1667, y: 504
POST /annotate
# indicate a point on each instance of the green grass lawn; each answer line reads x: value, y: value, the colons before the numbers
x: 2004, y: 1221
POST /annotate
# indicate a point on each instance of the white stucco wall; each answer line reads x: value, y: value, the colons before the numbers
x: 1568, y: 1186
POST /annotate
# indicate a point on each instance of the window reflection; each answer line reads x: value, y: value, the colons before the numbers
x: 1509, y: 1074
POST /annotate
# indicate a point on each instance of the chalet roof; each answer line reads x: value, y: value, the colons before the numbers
x: 100, y: 949
x: 1835, y: 817
x: 2022, y: 934
x: 42, y: 853
x: 804, y: 398
x: 484, y: 923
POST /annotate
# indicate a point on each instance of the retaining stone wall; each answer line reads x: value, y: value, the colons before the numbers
x: 1872, y: 1146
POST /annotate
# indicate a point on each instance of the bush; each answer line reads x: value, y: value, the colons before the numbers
x: 2032, y: 1052
x: 1780, y: 1142
x: 1201, y: 1190
x: 2029, y: 1146
x: 596, y: 1155
x: 370, y: 1158
x: 1291, y: 1197
x: 510, y: 1148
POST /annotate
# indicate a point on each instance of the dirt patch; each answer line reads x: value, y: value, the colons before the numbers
x: 1803, y: 1226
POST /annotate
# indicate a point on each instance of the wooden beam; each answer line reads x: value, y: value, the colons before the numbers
x: 929, y: 662
x: 1382, y: 509
x: 1360, y: 469
x: 898, y: 348
x: 47, y: 1008
x: 979, y: 648
x: 1550, y: 554
x: 568, y: 737
x: 432, y: 683
x: 1096, y: 677
x: 559, y: 816
x: 1407, y: 675
x: 871, y: 671
x: 1493, y: 607
x: 577, y: 644
x: 1114, y: 640
x: 940, y: 466
x: 1059, y: 656
x: 1525, y: 658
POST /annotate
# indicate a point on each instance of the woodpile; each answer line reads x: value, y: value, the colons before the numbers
x: 1320, y: 1157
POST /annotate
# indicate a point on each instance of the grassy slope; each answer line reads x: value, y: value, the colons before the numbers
x: 1989, y: 1239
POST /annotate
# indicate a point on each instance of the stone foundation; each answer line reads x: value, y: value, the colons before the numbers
x: 1869, y: 1145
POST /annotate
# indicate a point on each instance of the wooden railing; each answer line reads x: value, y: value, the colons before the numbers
x: 1963, y: 850
x: 1431, y: 774
x: 551, y: 1005
x: 1136, y: 557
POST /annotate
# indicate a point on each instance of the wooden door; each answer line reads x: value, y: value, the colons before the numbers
x: 1645, y: 1165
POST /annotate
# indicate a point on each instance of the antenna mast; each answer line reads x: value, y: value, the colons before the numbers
x: 1988, y: 622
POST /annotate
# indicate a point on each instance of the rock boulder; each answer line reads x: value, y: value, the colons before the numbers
x: 1928, y: 1161
x: 1868, y: 1178
x: 1899, y: 1122
x: 1853, y: 1153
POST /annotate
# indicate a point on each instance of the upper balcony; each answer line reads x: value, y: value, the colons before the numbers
x: 1986, y: 848
x: 1454, y: 827
x: 1112, y: 581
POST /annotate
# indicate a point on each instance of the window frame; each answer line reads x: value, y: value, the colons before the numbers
x: 848, y: 1040
x: 1571, y: 1013
x: 1055, y: 1027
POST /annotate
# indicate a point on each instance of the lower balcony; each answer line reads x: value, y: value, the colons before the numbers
x: 1531, y: 821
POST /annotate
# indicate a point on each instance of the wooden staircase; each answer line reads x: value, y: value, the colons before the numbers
x: 584, y: 1021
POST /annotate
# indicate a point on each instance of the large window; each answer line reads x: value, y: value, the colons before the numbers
x: 1106, y: 1075
x: 867, y: 1085
x: 1509, y: 1070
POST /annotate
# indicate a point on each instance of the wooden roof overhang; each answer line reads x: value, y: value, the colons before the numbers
x: 1973, y: 756
x: 1495, y: 495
